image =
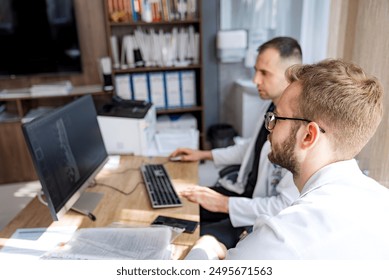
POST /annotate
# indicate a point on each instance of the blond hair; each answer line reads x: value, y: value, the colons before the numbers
x: 342, y: 99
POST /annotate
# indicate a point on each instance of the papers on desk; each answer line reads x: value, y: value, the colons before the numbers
x: 34, y: 242
x: 150, y: 243
x: 146, y: 243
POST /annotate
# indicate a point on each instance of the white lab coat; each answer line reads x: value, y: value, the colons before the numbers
x: 266, y: 199
x: 340, y: 214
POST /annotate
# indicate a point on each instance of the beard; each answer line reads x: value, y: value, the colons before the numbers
x: 283, y: 154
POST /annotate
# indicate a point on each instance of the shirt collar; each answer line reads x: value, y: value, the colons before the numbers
x: 330, y: 173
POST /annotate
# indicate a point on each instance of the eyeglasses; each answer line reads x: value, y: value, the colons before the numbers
x: 271, y: 120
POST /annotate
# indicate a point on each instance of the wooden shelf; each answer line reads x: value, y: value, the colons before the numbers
x: 120, y: 29
x: 155, y: 23
x: 156, y: 69
x: 179, y: 110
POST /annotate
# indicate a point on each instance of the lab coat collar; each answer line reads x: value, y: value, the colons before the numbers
x: 329, y: 174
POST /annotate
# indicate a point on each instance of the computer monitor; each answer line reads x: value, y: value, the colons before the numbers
x: 67, y: 150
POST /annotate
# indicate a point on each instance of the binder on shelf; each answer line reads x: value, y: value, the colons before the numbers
x: 128, y: 51
x: 157, y: 89
x: 173, y: 89
x: 123, y: 86
x: 188, y: 88
x: 140, y: 86
x: 196, y: 54
x: 115, y: 52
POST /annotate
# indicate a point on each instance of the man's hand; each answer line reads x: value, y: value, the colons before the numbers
x: 207, y: 198
x: 210, y: 243
x: 187, y: 154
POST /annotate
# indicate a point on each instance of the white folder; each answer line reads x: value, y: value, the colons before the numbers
x: 140, y: 86
x: 123, y: 86
x: 157, y: 89
x: 188, y: 88
x: 173, y: 89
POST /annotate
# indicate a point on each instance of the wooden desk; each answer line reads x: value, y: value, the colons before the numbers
x: 133, y: 209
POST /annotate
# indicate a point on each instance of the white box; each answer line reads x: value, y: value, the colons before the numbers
x: 127, y: 135
x: 231, y: 45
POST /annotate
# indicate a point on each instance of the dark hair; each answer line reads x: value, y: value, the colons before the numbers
x: 287, y: 47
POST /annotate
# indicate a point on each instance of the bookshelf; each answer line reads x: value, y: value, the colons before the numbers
x: 169, y: 41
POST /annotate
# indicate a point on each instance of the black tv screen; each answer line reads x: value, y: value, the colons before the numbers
x: 38, y: 37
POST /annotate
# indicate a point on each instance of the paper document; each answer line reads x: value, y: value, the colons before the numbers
x: 34, y: 242
x: 117, y: 243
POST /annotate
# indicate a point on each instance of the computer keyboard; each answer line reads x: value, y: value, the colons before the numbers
x: 159, y: 186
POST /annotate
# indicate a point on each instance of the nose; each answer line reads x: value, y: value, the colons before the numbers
x: 257, y: 79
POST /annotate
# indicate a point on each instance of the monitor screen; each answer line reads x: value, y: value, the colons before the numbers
x: 38, y: 37
x: 67, y: 150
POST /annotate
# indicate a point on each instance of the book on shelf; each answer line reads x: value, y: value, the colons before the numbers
x: 119, y: 10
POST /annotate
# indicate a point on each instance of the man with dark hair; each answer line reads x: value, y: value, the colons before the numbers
x: 230, y: 208
x: 324, y: 118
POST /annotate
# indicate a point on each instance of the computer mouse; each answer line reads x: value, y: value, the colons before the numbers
x: 177, y: 158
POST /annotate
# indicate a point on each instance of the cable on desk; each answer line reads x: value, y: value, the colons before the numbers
x: 118, y: 190
x: 125, y: 170
x: 40, y: 198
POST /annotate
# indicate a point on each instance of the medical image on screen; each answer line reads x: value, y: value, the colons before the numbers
x: 66, y: 148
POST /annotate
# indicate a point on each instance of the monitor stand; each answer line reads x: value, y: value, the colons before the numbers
x: 87, y: 203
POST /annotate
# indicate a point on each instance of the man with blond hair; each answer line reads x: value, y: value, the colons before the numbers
x: 324, y: 118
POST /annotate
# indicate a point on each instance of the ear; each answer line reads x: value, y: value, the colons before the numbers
x: 310, y: 136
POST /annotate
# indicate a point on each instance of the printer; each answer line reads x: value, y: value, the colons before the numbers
x: 127, y: 126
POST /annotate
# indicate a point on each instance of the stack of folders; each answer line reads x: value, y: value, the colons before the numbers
x: 180, y: 47
x: 169, y: 89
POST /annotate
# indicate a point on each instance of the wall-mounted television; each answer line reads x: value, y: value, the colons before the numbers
x: 38, y: 37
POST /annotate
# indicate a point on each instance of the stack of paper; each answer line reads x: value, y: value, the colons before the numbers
x: 117, y: 243
x: 32, y: 243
